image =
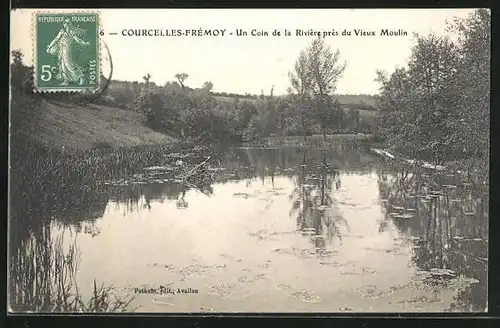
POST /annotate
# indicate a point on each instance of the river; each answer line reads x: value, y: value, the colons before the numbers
x: 274, y: 230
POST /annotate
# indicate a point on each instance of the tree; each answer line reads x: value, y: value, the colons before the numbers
x: 325, y: 71
x: 473, y: 83
x: 208, y: 86
x: 17, y: 57
x: 21, y: 75
x: 438, y: 108
x: 327, y: 112
x: 315, y: 77
x: 356, y: 120
x: 395, y: 107
x: 432, y: 72
x: 151, y: 105
x: 324, y: 67
x: 301, y: 82
x: 181, y: 77
x: 146, y: 78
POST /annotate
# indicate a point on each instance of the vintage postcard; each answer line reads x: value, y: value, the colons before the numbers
x: 222, y: 161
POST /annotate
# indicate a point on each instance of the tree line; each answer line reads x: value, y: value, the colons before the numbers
x: 309, y: 107
x: 437, y: 108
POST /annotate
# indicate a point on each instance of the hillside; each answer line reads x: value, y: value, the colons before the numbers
x: 83, y: 127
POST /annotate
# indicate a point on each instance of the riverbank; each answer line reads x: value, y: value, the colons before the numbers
x: 74, y: 127
x: 60, y: 184
x: 74, y: 145
x: 85, y: 169
x: 313, y: 140
x: 475, y: 170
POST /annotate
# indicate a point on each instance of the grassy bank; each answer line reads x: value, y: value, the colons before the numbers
x: 59, y: 155
x: 74, y: 146
x: 76, y: 127
x: 84, y: 169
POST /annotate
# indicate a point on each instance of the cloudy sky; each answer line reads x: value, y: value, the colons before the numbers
x: 251, y: 63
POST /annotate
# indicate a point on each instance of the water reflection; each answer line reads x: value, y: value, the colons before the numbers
x: 44, y: 254
x: 446, y: 220
x: 313, y: 203
x: 42, y: 274
x: 42, y: 266
x: 138, y: 197
x: 287, y: 201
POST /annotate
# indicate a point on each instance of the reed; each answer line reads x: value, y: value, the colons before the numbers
x: 55, y: 169
x: 43, y: 279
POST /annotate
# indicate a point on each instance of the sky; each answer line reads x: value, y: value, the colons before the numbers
x: 249, y: 64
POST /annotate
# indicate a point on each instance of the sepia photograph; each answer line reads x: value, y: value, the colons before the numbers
x: 244, y: 161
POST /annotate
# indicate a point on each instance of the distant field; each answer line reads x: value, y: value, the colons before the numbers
x: 231, y: 99
x: 343, y: 99
x: 358, y: 99
x: 370, y: 100
x: 82, y: 127
x: 367, y: 115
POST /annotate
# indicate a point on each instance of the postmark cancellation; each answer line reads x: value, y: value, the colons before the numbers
x: 66, y: 51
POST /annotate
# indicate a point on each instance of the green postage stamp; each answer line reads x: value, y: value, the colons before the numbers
x: 66, y: 51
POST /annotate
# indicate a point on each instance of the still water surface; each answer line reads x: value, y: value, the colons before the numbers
x: 286, y: 230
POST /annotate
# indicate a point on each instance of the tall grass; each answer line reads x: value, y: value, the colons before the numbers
x: 82, y: 169
x: 44, y: 182
x: 43, y: 279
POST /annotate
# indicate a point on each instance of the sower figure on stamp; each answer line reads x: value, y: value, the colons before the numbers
x: 61, y: 46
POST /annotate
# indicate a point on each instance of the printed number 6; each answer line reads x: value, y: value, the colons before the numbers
x: 101, y: 33
x: 46, y: 73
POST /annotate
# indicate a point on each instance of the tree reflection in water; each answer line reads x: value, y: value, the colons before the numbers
x: 43, y: 277
x: 181, y: 202
x: 42, y: 266
x: 446, y: 221
x: 313, y: 205
x: 137, y: 197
